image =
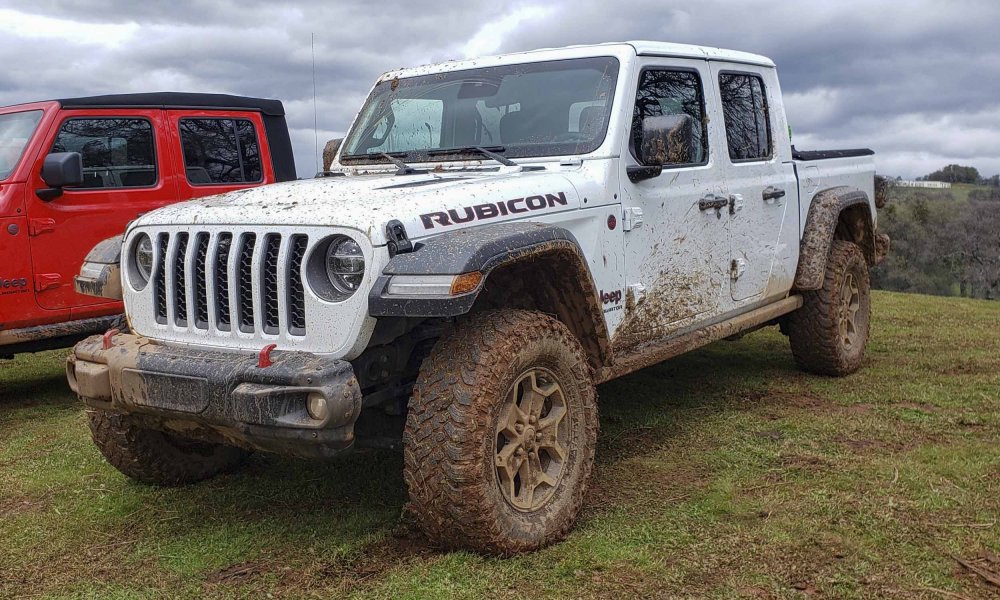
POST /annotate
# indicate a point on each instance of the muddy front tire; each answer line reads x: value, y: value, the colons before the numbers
x: 155, y: 457
x: 500, y: 435
x: 829, y: 333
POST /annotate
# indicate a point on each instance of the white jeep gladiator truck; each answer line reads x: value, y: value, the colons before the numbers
x: 495, y: 238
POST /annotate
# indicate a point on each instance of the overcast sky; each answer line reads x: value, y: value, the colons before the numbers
x: 917, y: 81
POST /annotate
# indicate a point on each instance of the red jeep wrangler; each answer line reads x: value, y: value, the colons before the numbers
x: 74, y: 172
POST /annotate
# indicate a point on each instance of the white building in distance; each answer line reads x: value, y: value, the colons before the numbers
x: 938, y: 185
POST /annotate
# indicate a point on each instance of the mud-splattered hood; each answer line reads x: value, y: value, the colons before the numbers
x: 426, y: 204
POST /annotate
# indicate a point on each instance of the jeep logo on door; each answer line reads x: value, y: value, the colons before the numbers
x: 13, y: 286
x: 492, y: 210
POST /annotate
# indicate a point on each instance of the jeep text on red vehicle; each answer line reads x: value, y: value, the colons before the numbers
x: 496, y: 237
x: 74, y: 172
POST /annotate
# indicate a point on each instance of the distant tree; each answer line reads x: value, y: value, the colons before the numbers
x: 993, y: 181
x: 955, y: 174
x: 991, y: 194
x: 977, y: 240
x: 940, y: 246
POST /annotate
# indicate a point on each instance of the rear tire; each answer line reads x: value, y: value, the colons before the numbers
x: 829, y: 333
x: 500, y: 434
x: 156, y: 457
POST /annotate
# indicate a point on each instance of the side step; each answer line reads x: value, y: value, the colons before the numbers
x: 655, y: 352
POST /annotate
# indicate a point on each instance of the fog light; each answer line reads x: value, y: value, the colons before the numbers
x: 317, y: 406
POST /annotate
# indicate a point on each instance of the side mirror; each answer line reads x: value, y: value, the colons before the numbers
x: 666, y: 140
x: 59, y: 170
x: 63, y: 169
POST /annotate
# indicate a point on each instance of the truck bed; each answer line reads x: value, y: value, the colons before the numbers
x: 819, y: 170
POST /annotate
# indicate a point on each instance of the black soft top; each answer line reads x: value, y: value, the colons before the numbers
x: 177, y: 100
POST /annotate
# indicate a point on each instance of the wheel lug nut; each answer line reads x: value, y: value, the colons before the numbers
x: 519, y: 428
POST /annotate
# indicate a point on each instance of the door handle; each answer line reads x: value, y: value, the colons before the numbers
x: 712, y: 201
x: 772, y: 193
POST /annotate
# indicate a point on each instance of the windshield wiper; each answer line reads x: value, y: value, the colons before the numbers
x: 490, y: 152
x: 404, y: 169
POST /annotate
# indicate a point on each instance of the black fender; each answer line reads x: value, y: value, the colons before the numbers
x: 481, y: 249
x: 565, y: 289
x: 100, y: 274
x: 825, y: 212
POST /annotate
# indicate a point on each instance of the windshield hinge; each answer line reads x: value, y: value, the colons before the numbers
x: 397, y: 241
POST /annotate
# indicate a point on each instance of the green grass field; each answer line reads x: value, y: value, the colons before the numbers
x: 723, y: 473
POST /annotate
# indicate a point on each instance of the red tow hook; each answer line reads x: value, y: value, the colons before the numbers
x: 107, y: 338
x: 264, y: 358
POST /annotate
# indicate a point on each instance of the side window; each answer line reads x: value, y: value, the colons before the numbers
x: 744, y: 105
x: 220, y: 151
x: 117, y: 152
x: 678, y: 96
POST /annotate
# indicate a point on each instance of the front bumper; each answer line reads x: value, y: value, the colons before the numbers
x: 211, y: 394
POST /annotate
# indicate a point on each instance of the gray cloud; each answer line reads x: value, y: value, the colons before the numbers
x: 917, y: 81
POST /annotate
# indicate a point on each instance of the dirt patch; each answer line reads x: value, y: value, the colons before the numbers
x: 239, y: 572
x: 805, y: 462
x: 18, y: 505
x: 919, y: 406
x: 339, y: 576
x: 635, y: 485
x: 968, y: 367
x: 772, y: 435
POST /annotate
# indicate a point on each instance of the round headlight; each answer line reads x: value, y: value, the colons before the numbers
x: 143, y: 257
x: 345, y: 264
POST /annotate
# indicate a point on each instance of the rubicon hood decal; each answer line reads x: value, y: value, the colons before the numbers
x: 490, y: 210
x: 366, y: 203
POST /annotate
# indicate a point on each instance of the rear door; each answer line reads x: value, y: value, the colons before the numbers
x: 218, y: 153
x: 759, y: 183
x: 124, y: 159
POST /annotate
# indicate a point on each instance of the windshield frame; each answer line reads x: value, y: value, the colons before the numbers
x: 27, y: 142
x: 383, y: 92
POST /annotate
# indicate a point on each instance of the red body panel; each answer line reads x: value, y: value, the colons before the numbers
x: 44, y: 243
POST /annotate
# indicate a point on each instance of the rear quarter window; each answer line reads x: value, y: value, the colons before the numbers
x: 744, y: 106
x: 220, y: 151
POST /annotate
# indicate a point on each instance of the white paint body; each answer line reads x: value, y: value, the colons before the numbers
x: 678, y: 256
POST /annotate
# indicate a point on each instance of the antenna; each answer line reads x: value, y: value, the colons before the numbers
x: 312, y: 45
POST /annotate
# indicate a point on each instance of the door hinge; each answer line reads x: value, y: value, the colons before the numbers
x: 631, y: 218
x: 735, y: 203
x: 47, y: 281
x: 637, y: 291
x: 40, y: 226
x: 737, y: 268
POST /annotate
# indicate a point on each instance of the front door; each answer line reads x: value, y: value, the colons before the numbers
x: 760, y: 185
x: 124, y: 176
x: 677, y: 259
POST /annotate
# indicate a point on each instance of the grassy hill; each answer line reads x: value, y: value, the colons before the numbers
x: 723, y: 473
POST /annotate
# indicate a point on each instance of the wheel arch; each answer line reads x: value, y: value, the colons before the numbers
x: 842, y: 213
x: 527, y: 265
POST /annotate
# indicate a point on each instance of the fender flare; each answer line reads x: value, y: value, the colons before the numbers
x: 100, y: 273
x: 825, y: 210
x: 481, y: 249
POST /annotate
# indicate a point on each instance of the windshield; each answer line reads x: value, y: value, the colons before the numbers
x: 15, y: 131
x: 537, y: 109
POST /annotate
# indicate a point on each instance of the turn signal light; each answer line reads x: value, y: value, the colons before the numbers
x: 465, y: 283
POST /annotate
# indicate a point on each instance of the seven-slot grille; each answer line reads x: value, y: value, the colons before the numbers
x: 201, y: 277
